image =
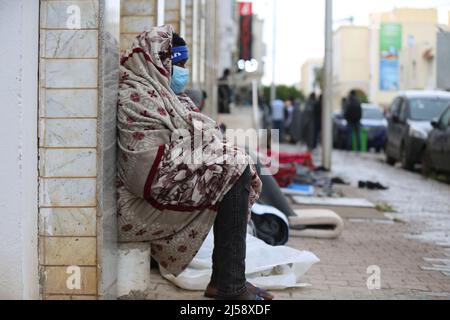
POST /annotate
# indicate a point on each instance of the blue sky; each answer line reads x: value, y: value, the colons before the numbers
x: 300, y: 28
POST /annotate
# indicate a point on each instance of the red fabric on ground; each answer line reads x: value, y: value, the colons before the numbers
x: 286, y: 174
x: 304, y: 159
x: 288, y: 169
x: 287, y: 162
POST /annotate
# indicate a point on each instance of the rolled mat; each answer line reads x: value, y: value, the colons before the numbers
x: 316, y: 223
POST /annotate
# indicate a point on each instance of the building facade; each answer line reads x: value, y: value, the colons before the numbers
x: 403, y: 29
x: 425, y: 65
x: 309, y: 73
x: 351, y: 65
x: 399, y: 50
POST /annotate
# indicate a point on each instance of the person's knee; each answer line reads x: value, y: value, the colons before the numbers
x: 244, y: 179
x: 247, y: 173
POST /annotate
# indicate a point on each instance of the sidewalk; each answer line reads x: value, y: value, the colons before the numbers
x: 412, y: 251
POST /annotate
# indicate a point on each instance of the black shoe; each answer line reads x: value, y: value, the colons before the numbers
x: 338, y: 180
x: 379, y: 186
x: 371, y: 185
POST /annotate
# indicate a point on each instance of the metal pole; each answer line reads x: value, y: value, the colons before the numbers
x: 183, y: 18
x: 255, y: 104
x: 327, y: 136
x: 195, y: 43
x: 273, y: 92
x: 161, y: 12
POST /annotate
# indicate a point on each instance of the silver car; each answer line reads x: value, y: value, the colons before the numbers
x: 409, y: 119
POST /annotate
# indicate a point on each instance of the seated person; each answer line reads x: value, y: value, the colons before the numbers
x: 166, y: 197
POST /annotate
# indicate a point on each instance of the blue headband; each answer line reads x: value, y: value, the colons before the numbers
x: 180, y: 54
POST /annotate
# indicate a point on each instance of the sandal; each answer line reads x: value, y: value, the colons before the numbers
x: 258, y: 292
x: 247, y: 295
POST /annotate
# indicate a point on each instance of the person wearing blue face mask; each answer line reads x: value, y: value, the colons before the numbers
x: 170, y: 202
x: 180, y: 56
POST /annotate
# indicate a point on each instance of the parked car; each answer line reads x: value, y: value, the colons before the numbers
x: 339, y: 131
x: 437, y: 152
x: 373, y: 121
x: 409, y: 119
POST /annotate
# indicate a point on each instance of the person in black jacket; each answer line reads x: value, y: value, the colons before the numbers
x: 224, y: 92
x: 318, y: 120
x: 353, y: 115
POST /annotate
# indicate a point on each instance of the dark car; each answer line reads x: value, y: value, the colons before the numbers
x: 372, y: 121
x: 409, y: 119
x: 437, y: 152
x: 339, y: 131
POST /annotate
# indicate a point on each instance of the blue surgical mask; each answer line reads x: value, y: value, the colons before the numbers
x: 180, y: 79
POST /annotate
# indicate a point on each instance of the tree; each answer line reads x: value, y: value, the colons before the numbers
x: 284, y: 92
x: 318, y: 78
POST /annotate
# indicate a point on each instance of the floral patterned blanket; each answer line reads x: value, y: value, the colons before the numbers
x: 174, y: 166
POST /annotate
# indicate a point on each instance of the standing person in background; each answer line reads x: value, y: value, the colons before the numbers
x: 343, y: 104
x: 288, y: 116
x: 317, y: 121
x: 308, y: 128
x: 264, y: 112
x: 296, y: 125
x: 278, y: 117
x: 224, y: 92
x: 197, y: 97
x: 353, y: 115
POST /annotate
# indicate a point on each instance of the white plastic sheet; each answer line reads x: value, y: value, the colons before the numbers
x: 268, y: 267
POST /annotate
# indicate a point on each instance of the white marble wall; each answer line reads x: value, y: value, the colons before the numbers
x: 78, y: 78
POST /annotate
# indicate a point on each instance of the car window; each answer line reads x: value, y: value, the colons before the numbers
x: 427, y: 109
x: 372, y: 114
x: 444, y: 123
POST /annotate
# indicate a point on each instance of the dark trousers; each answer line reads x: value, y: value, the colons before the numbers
x: 353, y: 129
x: 230, y: 234
x: 279, y: 125
x: 317, y: 132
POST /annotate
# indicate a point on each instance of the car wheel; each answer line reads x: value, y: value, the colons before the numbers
x: 426, y: 164
x: 390, y: 161
x: 407, y: 164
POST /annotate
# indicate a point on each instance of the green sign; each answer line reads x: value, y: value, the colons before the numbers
x: 390, y: 46
x: 390, y: 37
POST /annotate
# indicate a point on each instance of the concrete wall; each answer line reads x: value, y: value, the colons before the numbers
x: 417, y: 69
x: 442, y: 60
x: 18, y: 149
x: 308, y: 75
x: 351, y: 64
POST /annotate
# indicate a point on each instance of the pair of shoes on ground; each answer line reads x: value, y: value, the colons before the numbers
x: 371, y: 185
x: 338, y: 180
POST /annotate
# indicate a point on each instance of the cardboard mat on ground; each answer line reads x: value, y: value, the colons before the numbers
x: 348, y: 208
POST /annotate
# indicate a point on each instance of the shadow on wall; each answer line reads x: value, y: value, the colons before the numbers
x: 107, y: 146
